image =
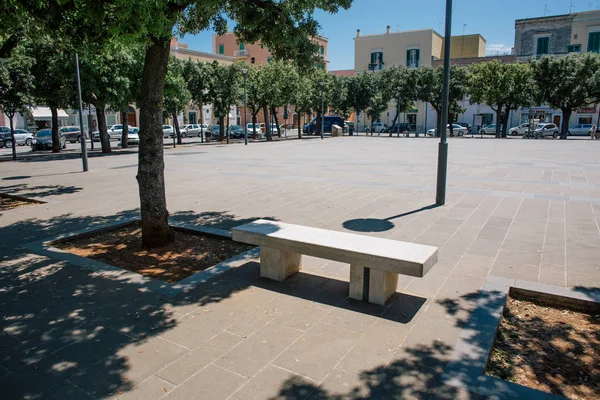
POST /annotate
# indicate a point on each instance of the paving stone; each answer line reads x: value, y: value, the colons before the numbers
x: 355, y: 315
x: 153, y: 388
x: 318, y: 351
x: 199, y: 358
x: 253, y: 353
x: 273, y: 383
x: 343, y: 385
x: 211, y: 383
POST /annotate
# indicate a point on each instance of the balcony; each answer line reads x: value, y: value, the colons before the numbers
x: 241, y: 53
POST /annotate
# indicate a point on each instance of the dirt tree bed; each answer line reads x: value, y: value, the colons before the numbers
x: 549, y: 349
x: 187, y: 255
x: 9, y: 202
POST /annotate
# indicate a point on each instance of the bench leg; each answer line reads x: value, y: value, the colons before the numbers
x: 382, y: 285
x: 277, y: 264
x: 356, y: 281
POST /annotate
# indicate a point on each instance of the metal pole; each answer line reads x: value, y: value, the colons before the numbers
x: 84, y: 159
x: 440, y: 198
x: 245, y: 112
x: 90, y: 125
x: 530, y: 116
x: 322, y: 108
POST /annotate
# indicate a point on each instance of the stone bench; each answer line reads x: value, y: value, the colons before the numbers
x: 374, y: 262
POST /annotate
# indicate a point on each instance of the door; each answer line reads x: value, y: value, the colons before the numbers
x: 556, y: 120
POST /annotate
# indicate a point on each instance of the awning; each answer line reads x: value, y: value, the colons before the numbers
x: 44, y: 113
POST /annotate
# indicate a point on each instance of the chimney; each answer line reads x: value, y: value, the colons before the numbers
x: 387, y: 29
x: 358, y: 33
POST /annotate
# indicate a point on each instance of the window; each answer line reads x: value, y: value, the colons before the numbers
x: 241, y: 46
x: 322, y: 50
x: 542, y: 45
x: 221, y: 49
x: 594, y: 42
x: 412, y: 58
x: 574, y: 48
x: 252, y: 60
x: 376, y: 61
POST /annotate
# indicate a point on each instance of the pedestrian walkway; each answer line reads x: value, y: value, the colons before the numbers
x: 521, y: 209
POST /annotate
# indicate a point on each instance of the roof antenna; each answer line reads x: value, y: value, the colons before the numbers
x: 546, y: 9
x: 571, y: 7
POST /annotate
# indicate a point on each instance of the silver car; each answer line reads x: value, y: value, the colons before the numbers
x: 519, y: 130
x: 580, y: 130
x: 22, y: 137
x: 547, y: 129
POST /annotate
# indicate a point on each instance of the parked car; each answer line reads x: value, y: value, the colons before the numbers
x: 377, y: 127
x: 399, y: 127
x: 457, y: 129
x: 580, y: 130
x: 214, y: 131
x: 489, y: 130
x: 167, y: 131
x: 328, y: 122
x: 547, y: 129
x: 251, y: 127
x: 71, y: 133
x: 133, y: 136
x: 274, y: 130
x: 520, y: 130
x: 43, y: 140
x: 236, y: 131
x: 22, y: 137
x: 465, y: 125
x: 190, y: 130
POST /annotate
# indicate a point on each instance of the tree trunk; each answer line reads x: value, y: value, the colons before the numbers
x: 104, y: 138
x: 564, y: 127
x: 201, y: 123
x: 505, y: 121
x: 254, y: 124
x: 450, y: 123
x: 395, y: 119
x: 12, y: 136
x: 151, y: 165
x: 318, y: 123
x: 177, y: 131
x: 227, y: 129
x: 274, y: 114
x: 125, y: 132
x: 268, y: 132
x: 221, y: 129
x: 372, y: 123
x: 299, y: 125
x: 55, y: 139
x: 498, y: 120
x: 438, y: 116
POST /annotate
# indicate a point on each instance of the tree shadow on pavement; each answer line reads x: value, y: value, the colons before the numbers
x: 65, y: 155
x: 26, y: 190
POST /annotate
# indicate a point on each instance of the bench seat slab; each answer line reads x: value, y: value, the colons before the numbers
x: 278, y: 264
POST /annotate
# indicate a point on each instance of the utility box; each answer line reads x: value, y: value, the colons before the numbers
x: 336, y: 130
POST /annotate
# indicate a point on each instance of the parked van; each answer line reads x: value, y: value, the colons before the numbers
x: 328, y: 122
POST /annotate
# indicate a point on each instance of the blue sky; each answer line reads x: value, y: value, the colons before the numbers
x: 492, y: 19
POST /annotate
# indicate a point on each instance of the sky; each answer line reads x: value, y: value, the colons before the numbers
x: 493, y: 19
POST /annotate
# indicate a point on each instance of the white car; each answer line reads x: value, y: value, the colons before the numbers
x: 167, y: 131
x: 133, y: 136
x: 547, y: 129
x: 377, y: 127
x: 250, y: 129
x: 519, y: 130
x: 115, y: 130
x: 457, y: 129
x: 190, y: 130
x: 489, y: 130
x: 112, y: 135
x: 22, y: 137
x: 580, y: 130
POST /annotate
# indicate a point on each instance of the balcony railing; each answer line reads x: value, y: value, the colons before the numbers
x: 241, y: 53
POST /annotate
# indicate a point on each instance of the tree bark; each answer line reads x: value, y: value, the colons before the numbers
x: 151, y: 179
x: 177, y: 131
x: 268, y: 132
x: 104, y: 138
x: 221, y: 129
x: 55, y: 139
x: 564, y: 127
x: 438, y: 116
x: 274, y: 114
x: 125, y: 132
x: 318, y: 123
x: 202, y: 134
x: 450, y: 123
x: 395, y: 118
x: 12, y: 136
x: 505, y: 121
x: 254, y: 124
x: 227, y: 129
x: 299, y: 125
x: 498, y: 120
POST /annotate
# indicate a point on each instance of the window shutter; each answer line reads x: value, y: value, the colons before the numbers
x: 241, y: 46
x: 407, y: 58
x: 417, y: 57
x: 381, y: 58
x: 373, y: 56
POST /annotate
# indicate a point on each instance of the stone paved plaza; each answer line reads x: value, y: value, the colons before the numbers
x: 523, y: 209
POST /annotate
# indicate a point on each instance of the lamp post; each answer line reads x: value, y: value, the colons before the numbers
x: 245, y: 73
x: 440, y: 198
x: 322, y: 107
x: 530, y: 109
x: 84, y: 159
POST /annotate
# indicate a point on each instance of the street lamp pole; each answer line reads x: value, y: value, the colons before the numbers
x: 84, y: 159
x: 440, y: 198
x: 530, y: 111
x: 322, y: 107
x: 245, y: 72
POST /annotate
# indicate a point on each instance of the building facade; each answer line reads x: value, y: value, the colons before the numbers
x: 411, y: 49
x: 558, y: 35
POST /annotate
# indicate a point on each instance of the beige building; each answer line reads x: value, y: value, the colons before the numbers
x: 253, y: 53
x: 411, y: 49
